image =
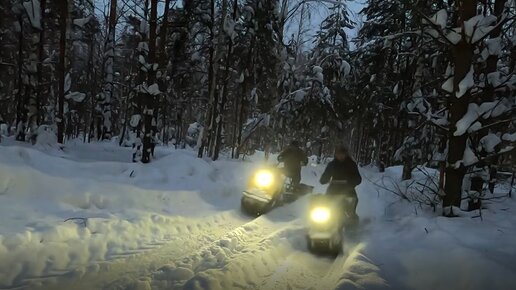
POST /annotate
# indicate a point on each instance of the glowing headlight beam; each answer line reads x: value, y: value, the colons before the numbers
x: 264, y: 178
x: 320, y: 215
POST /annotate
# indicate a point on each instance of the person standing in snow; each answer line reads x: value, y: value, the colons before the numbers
x: 293, y: 158
x: 343, y: 176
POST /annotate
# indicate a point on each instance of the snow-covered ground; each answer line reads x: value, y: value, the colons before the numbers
x: 86, y: 218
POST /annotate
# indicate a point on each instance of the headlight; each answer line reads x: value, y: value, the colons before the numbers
x: 264, y: 178
x: 320, y: 215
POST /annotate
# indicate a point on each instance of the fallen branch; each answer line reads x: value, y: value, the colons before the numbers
x: 410, y: 193
x: 7, y: 64
x: 253, y: 129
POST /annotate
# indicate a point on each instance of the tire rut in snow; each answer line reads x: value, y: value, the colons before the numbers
x: 123, y: 271
x: 242, y: 242
x: 304, y: 270
x: 258, y: 255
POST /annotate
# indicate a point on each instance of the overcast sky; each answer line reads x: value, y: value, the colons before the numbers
x: 312, y: 25
x: 354, y: 7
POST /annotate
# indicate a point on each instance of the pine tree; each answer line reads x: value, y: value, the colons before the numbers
x: 469, y: 113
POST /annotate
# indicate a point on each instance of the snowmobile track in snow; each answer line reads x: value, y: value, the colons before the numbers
x: 260, y: 254
x: 225, y: 251
x: 186, y: 236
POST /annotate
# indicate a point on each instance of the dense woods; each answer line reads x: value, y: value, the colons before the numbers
x: 423, y: 82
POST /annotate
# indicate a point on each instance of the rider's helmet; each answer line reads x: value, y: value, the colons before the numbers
x: 341, y: 152
x: 341, y: 148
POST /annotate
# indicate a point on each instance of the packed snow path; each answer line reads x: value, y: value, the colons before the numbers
x: 176, y: 224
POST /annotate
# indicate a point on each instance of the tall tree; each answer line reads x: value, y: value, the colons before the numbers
x: 106, y: 96
x: 36, y: 117
x: 149, y: 103
x: 229, y: 24
x: 463, y: 53
x: 63, y: 87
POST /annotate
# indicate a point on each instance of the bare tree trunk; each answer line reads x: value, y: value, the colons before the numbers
x: 300, y: 31
x: 140, y: 79
x: 62, y: 69
x: 93, y: 86
x: 320, y: 152
x: 34, y: 111
x: 90, y: 77
x: 35, y: 104
x: 212, y: 97
x: 20, y: 111
x: 245, y: 87
x: 407, y: 170
x: 513, y: 168
x: 363, y: 145
x: 107, y: 94
x: 222, y: 102
x: 149, y: 102
x: 126, y: 116
x: 164, y: 135
x: 383, y: 149
x: 241, y: 119
x: 462, y: 57
x: 216, y: 113
x: 212, y: 77
x: 283, y: 20
x: 489, y: 92
x: 235, y: 125
x: 163, y: 64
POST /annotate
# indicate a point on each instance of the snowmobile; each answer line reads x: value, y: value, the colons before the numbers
x: 269, y: 187
x: 328, y: 216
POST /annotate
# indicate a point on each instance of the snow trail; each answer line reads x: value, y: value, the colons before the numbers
x: 176, y: 224
x: 126, y: 270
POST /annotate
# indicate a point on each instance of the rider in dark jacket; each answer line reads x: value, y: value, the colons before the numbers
x: 293, y: 158
x: 342, y: 173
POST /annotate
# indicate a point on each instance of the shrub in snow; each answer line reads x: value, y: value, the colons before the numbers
x: 4, y: 129
x: 46, y: 136
x: 421, y: 188
x: 129, y: 139
x: 192, y: 134
x: 409, y: 154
